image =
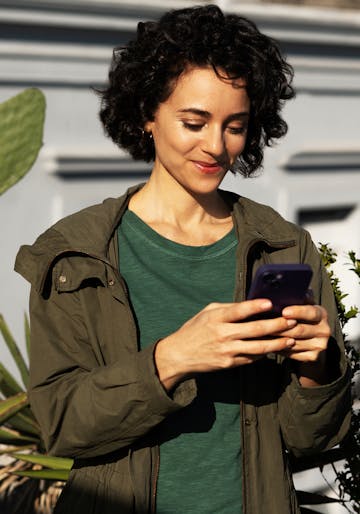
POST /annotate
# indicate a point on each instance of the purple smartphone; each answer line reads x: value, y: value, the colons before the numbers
x: 283, y: 284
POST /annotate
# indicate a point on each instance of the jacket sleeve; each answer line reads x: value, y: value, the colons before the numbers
x: 317, y: 418
x: 85, y: 408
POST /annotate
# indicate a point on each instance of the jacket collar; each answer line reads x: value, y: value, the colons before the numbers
x: 257, y: 222
x: 89, y: 231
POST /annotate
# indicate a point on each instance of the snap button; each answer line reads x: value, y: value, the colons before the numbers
x: 62, y: 279
x: 111, y: 282
x: 247, y: 422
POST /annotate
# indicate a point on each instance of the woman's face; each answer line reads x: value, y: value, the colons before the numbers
x: 200, y: 130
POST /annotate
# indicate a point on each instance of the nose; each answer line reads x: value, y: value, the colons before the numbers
x: 213, y: 142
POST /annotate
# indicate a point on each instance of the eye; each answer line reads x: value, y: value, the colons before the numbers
x: 195, y: 127
x: 237, y: 130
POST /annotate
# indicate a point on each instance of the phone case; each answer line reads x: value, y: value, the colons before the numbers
x: 283, y: 284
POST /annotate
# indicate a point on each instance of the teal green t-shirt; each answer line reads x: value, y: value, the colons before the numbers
x: 200, y: 445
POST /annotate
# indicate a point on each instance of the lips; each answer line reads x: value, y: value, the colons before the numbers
x: 209, y: 167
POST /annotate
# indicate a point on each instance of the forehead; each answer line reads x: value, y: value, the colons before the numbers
x: 203, y: 88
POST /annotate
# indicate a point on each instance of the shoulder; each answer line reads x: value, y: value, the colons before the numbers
x: 89, y: 227
x: 86, y: 232
x: 262, y: 218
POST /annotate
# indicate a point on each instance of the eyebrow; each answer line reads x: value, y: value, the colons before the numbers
x: 207, y: 114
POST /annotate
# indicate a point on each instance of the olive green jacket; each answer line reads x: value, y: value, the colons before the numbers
x: 96, y: 396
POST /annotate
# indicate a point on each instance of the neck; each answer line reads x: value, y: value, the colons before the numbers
x: 168, y: 202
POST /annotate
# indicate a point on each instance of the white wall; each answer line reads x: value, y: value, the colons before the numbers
x: 64, y: 47
x: 65, y: 59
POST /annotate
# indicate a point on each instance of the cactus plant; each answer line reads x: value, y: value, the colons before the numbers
x: 30, y: 481
x: 21, y: 131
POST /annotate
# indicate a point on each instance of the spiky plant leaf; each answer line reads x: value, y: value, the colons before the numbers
x: 13, y: 437
x: 27, y: 334
x: 8, y: 450
x: 46, y: 474
x: 47, y: 461
x: 21, y: 132
x: 25, y: 423
x: 8, y: 384
x: 11, y: 406
x: 15, y: 351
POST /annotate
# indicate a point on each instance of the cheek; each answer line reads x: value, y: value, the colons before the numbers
x: 172, y: 148
x: 182, y: 142
x: 237, y: 147
x: 173, y: 137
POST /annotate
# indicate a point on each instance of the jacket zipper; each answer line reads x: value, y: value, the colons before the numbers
x: 154, y: 481
x: 240, y: 294
x: 242, y: 424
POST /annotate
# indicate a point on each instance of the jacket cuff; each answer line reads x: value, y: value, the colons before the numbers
x: 324, y: 390
x: 153, y: 392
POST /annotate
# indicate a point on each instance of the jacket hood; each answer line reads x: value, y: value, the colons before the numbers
x: 89, y: 231
x: 85, y: 232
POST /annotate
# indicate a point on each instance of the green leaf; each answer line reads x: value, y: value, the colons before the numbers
x: 352, y: 313
x: 8, y: 384
x: 27, y: 334
x: 15, y: 351
x: 9, y: 436
x: 45, y: 474
x: 8, y: 450
x: 24, y: 423
x: 11, y: 406
x: 21, y: 132
x: 47, y: 461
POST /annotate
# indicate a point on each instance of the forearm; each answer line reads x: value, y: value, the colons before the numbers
x: 314, y: 374
x: 324, y: 370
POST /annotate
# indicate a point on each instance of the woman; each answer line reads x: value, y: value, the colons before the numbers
x: 148, y: 367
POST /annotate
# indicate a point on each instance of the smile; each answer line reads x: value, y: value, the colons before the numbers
x: 208, y: 168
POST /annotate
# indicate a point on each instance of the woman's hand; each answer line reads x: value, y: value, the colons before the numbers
x: 220, y: 337
x: 311, y: 334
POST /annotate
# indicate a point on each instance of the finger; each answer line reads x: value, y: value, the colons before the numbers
x: 309, y: 313
x: 259, y: 347
x: 301, y: 356
x: 303, y: 331
x: 232, y: 312
x: 316, y: 345
x: 256, y: 329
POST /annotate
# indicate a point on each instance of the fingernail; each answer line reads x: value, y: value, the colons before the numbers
x: 291, y: 322
x: 290, y: 343
x: 266, y: 304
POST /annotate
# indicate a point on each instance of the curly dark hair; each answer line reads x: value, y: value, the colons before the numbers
x: 143, y: 74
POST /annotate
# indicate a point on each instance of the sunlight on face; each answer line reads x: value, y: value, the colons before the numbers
x: 200, y: 130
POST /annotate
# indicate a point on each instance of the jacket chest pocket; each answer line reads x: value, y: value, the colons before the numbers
x: 75, y: 272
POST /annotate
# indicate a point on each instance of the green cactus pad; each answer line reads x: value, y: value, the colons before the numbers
x: 21, y: 132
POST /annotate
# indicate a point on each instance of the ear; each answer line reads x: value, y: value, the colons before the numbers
x: 148, y: 127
